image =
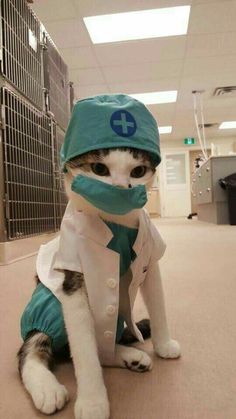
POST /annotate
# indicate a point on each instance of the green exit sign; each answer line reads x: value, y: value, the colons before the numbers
x: 189, y: 141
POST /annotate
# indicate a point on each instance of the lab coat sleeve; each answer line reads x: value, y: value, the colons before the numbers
x: 158, y: 245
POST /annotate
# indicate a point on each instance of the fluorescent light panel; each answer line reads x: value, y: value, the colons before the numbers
x: 227, y: 125
x: 165, y: 130
x: 142, y: 24
x: 153, y: 98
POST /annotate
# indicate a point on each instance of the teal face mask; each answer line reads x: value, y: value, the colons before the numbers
x: 109, y: 198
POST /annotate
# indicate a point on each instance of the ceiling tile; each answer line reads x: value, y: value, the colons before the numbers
x: 143, y: 71
x: 220, y: 114
x: 48, y: 10
x: 82, y: 92
x: 203, y: 59
x: 79, y: 57
x: 213, y: 18
x: 164, y: 114
x: 68, y: 33
x: 223, y: 105
x: 185, y: 101
x: 208, y: 1
x: 145, y: 86
x: 184, y: 117
x: 210, y: 65
x: 98, y: 7
x: 153, y: 50
x: 211, y: 44
x: 86, y: 76
x: 202, y: 81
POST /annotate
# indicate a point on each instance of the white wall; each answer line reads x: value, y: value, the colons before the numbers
x: 224, y: 146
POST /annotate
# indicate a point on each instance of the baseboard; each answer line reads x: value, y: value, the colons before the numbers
x: 19, y: 249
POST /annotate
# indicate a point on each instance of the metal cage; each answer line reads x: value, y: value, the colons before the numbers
x: 56, y: 82
x: 21, y: 61
x: 60, y: 197
x: 35, y: 97
x: 28, y: 168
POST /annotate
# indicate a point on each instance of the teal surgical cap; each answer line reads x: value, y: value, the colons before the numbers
x: 110, y: 121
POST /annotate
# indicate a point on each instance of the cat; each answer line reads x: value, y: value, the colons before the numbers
x: 126, y: 168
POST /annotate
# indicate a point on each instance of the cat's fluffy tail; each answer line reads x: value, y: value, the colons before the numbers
x: 143, y: 326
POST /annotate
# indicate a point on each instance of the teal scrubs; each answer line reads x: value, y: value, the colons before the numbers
x: 44, y: 311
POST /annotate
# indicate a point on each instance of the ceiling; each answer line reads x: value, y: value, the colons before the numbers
x: 204, y: 59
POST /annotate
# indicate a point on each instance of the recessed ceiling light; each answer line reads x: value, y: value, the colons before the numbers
x: 141, y: 24
x: 228, y: 125
x: 152, y: 98
x: 165, y: 130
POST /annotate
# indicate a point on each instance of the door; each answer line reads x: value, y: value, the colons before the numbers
x: 176, y: 194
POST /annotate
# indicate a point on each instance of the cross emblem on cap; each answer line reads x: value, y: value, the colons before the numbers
x: 123, y: 123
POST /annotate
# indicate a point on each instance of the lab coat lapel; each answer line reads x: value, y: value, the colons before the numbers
x: 93, y: 228
x: 74, y: 226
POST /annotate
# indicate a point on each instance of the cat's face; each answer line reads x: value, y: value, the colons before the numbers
x: 119, y: 167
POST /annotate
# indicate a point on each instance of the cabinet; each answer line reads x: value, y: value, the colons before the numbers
x: 211, y: 199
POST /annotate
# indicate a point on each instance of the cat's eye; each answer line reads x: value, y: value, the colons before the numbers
x: 138, y: 171
x: 100, y: 169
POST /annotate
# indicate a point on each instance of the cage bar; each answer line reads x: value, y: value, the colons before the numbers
x: 56, y: 82
x: 60, y: 197
x: 28, y: 168
x: 21, y: 51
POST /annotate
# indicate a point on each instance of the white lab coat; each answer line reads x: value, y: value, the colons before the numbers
x: 82, y: 247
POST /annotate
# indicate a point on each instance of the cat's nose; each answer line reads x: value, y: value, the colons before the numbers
x: 121, y: 182
x: 121, y: 185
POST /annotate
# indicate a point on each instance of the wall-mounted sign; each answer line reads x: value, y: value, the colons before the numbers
x: 189, y: 141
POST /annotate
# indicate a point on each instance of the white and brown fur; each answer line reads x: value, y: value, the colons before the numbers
x: 124, y: 167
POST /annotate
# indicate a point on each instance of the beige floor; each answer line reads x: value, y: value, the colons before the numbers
x: 199, y: 272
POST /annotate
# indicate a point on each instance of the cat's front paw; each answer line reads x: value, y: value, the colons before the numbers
x: 94, y: 408
x: 49, y: 396
x: 170, y: 349
x: 136, y: 360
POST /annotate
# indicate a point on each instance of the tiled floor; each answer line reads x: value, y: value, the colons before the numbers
x: 199, y: 275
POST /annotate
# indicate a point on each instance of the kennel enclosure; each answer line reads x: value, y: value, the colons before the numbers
x: 35, y: 107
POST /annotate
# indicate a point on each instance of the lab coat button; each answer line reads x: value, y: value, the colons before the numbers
x: 111, y: 310
x: 111, y: 282
x: 108, y: 334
